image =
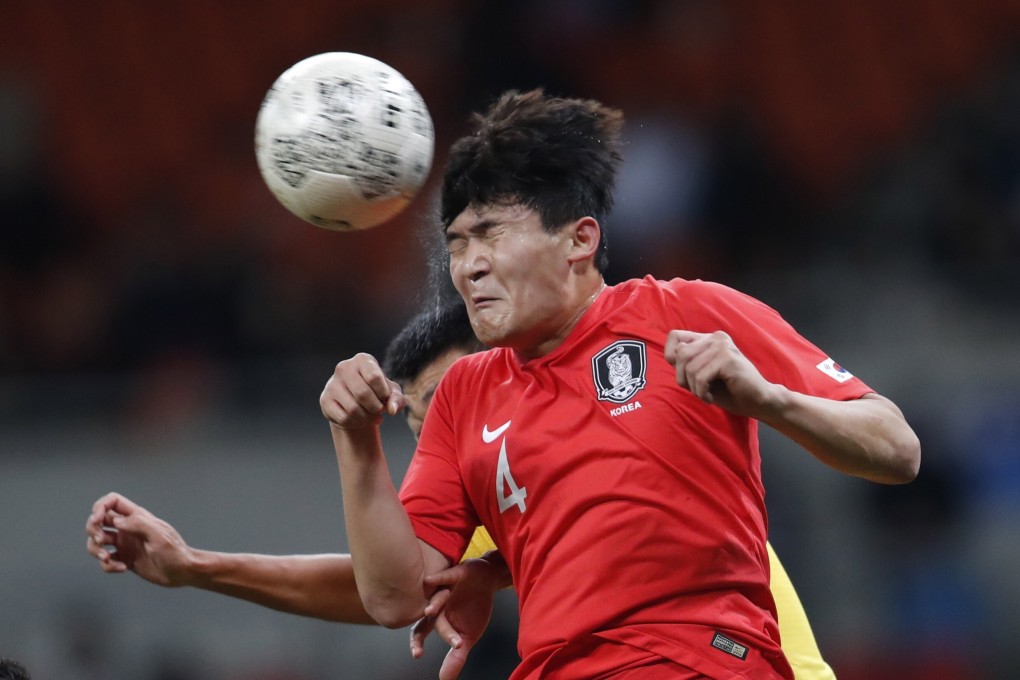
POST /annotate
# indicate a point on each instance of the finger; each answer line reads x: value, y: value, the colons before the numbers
x: 446, y: 631
x: 368, y: 398
x: 669, y: 351
x: 437, y: 602
x: 99, y: 510
x: 371, y: 372
x: 140, y: 524
x: 670, y: 348
x: 112, y: 566
x: 700, y: 372
x: 454, y: 662
x: 342, y: 405
x: 104, y: 538
x: 420, y: 631
x: 95, y: 549
x: 447, y: 577
x: 682, y: 354
x: 330, y: 404
x: 107, y: 562
x: 109, y: 536
x: 115, y: 502
x: 695, y: 365
x: 388, y: 393
x: 685, y: 336
x: 94, y: 527
x: 103, y: 503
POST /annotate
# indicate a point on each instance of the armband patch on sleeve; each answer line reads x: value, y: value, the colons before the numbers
x: 834, y: 371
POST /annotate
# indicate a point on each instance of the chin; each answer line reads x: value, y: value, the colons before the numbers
x: 491, y: 335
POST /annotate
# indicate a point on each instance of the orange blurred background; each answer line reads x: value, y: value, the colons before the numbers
x: 855, y: 165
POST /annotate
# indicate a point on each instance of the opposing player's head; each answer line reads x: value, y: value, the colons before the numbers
x: 12, y: 670
x: 524, y: 198
x: 557, y: 156
x: 423, y: 351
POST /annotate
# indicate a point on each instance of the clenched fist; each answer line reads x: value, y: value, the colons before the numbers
x: 712, y: 368
x: 358, y: 393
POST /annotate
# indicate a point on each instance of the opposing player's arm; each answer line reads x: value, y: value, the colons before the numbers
x: 867, y: 437
x: 124, y: 536
x: 390, y: 563
x: 319, y: 586
x: 460, y: 611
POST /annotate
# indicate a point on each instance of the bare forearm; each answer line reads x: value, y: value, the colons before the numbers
x: 319, y: 586
x: 866, y: 437
x: 388, y: 562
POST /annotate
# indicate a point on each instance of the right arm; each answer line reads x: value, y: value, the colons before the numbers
x: 390, y: 563
x: 124, y: 536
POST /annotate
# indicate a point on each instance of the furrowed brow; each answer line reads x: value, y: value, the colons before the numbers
x: 476, y: 229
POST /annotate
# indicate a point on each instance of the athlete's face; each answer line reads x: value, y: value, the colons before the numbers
x: 418, y: 392
x: 512, y: 274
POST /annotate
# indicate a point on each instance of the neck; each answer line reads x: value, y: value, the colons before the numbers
x: 587, y: 297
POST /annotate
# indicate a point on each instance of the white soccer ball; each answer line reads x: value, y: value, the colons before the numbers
x: 343, y: 141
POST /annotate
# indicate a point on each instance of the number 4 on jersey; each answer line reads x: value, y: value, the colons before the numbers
x: 505, y: 480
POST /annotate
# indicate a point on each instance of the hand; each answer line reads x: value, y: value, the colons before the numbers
x: 123, y: 535
x: 712, y: 368
x: 459, y: 611
x: 358, y: 393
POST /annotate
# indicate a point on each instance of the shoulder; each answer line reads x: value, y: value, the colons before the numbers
x: 683, y: 296
x: 687, y: 288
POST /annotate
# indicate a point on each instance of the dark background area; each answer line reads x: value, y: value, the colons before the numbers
x: 166, y: 326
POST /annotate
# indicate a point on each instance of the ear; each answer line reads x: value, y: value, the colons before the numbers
x: 585, y: 236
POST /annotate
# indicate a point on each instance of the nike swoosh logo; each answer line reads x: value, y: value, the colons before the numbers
x: 489, y: 437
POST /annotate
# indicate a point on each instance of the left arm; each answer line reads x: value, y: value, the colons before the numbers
x: 866, y: 437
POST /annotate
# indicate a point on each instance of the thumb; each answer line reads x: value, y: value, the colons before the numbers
x: 450, y: 576
x: 396, y: 402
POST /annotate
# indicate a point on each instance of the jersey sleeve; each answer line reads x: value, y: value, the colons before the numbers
x: 432, y: 492
x: 776, y: 349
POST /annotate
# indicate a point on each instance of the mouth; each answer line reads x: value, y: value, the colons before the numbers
x: 482, y: 301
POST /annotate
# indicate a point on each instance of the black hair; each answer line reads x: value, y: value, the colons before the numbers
x: 427, y: 336
x: 12, y: 670
x: 556, y: 156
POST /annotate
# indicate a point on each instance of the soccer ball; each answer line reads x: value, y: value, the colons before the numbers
x: 343, y: 141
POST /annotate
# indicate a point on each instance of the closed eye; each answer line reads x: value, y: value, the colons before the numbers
x: 456, y: 239
x: 455, y: 242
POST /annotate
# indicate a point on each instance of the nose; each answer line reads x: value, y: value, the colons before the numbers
x: 471, y: 263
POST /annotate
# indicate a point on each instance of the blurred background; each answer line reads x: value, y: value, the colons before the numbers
x: 166, y: 327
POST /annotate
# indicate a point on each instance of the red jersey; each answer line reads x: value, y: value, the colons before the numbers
x: 631, y: 513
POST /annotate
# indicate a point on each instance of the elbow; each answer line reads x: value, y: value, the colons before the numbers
x: 901, y: 452
x: 905, y: 459
x: 392, y: 612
